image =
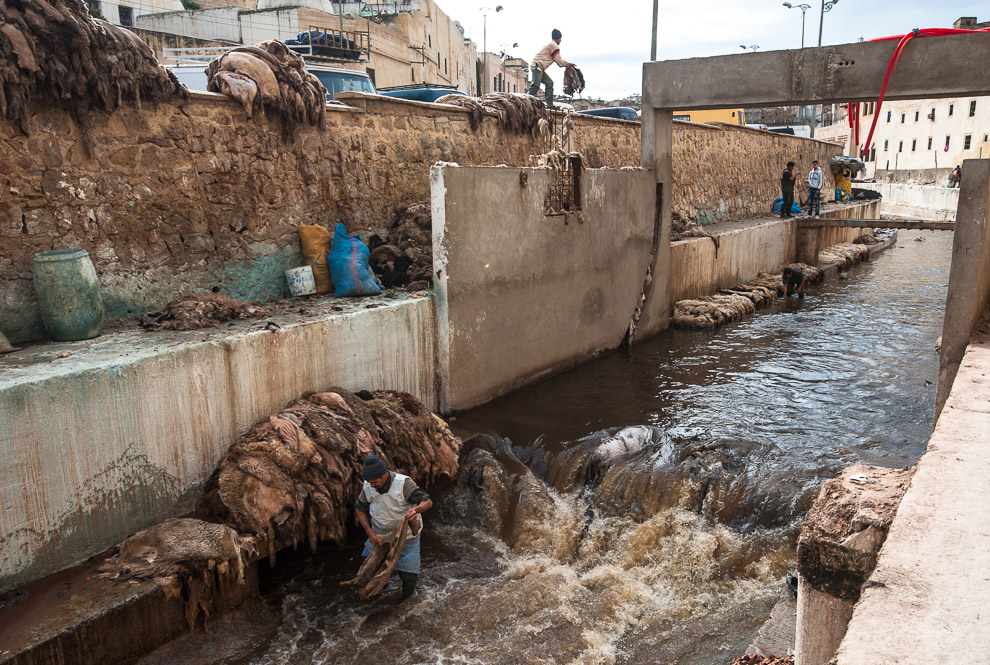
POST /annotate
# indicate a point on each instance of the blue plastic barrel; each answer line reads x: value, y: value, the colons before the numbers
x: 68, y: 294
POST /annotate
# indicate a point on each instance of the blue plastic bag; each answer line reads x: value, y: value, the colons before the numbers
x: 779, y: 201
x: 349, y: 268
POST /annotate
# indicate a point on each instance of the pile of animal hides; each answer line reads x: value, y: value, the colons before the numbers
x: 844, y: 254
x: 682, y: 229
x: 270, y: 77
x: 191, y: 559
x: 866, y: 239
x: 293, y: 478
x: 755, y: 659
x: 404, y: 258
x: 378, y: 566
x: 516, y: 112
x: 54, y: 50
x: 727, y: 305
x: 201, y: 310
x: 573, y: 80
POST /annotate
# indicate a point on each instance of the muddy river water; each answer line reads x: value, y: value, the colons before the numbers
x: 643, y: 507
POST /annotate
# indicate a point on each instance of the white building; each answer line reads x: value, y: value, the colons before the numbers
x: 125, y: 12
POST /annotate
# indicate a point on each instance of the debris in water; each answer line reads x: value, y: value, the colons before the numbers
x: 516, y: 112
x: 200, y: 310
x: 404, y: 258
x: 573, y: 80
x: 378, y: 566
x: 54, y: 50
x: 295, y: 476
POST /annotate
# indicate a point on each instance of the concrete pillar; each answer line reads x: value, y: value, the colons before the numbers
x: 808, y: 245
x: 837, y: 551
x: 969, y: 276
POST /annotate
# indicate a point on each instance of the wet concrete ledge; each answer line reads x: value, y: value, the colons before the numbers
x: 123, y: 432
x: 926, y: 601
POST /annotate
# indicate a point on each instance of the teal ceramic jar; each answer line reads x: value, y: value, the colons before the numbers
x: 68, y: 294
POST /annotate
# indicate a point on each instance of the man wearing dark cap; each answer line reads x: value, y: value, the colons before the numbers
x: 794, y: 279
x: 545, y: 57
x: 386, y: 498
x: 787, y: 179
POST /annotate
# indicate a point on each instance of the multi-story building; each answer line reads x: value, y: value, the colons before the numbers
x: 919, y: 139
x: 505, y: 73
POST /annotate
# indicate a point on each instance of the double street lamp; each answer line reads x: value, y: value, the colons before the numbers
x: 803, y: 9
x: 754, y: 48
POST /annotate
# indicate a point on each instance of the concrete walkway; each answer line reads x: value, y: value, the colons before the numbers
x: 928, y: 601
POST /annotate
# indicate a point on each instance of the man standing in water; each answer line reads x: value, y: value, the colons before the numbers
x: 794, y: 279
x: 385, y: 499
x: 545, y: 57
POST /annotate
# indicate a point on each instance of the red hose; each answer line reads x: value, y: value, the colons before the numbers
x: 904, y: 39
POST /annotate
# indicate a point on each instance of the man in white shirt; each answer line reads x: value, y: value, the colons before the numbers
x: 545, y: 57
x: 816, y: 180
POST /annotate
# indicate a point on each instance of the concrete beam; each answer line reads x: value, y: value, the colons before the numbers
x: 877, y: 224
x: 950, y: 66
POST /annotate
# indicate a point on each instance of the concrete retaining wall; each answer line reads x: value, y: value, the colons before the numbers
x: 698, y: 270
x: 122, y: 434
x: 522, y: 294
x: 921, y: 201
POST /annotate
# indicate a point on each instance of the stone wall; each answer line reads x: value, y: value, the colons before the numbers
x: 192, y: 196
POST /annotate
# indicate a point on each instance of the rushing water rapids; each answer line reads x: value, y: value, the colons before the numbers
x: 645, y: 505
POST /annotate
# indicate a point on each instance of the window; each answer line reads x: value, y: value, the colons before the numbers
x: 885, y: 143
x: 931, y: 116
x: 902, y: 118
x: 946, y: 142
x: 429, y: 40
x: 967, y: 141
x: 900, y: 146
x: 371, y: 74
x: 929, y: 143
x: 126, y: 16
x: 888, y: 116
x: 412, y: 71
x: 951, y: 106
x: 873, y: 154
x: 445, y: 65
x: 916, y: 115
x: 972, y: 108
x: 914, y: 144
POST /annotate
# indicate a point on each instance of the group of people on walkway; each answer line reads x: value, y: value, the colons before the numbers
x: 816, y: 180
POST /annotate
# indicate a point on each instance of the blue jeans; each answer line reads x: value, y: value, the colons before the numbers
x: 814, y: 201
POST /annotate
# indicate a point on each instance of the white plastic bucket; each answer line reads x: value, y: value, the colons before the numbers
x: 300, y: 281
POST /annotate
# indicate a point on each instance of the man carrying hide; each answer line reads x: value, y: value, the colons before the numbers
x: 385, y: 500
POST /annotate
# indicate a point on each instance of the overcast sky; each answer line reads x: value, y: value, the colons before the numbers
x: 610, y: 40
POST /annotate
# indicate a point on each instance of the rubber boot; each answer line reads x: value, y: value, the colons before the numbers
x: 408, y: 583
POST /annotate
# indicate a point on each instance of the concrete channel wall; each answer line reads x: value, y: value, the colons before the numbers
x: 521, y: 294
x: 922, y: 201
x: 123, y: 434
x: 699, y: 269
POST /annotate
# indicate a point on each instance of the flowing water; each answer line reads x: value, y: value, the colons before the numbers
x: 643, y: 507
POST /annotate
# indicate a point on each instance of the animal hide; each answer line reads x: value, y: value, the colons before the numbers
x: 201, y: 310
x: 404, y: 258
x: 270, y: 77
x: 515, y: 112
x: 54, y: 50
x: 573, y: 81
x: 379, y: 565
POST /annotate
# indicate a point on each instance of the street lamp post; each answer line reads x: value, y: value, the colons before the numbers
x: 826, y: 7
x: 653, y: 46
x: 803, y: 9
x: 504, y: 56
x: 484, y: 43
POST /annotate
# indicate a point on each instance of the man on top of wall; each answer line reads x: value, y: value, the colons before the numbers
x: 787, y: 179
x: 816, y: 179
x: 545, y: 57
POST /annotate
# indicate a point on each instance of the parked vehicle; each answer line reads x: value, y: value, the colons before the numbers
x: 617, y: 112
x: 429, y: 95
x: 334, y: 79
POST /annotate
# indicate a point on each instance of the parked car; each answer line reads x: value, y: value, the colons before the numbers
x: 617, y: 112
x: 429, y: 95
x: 334, y: 79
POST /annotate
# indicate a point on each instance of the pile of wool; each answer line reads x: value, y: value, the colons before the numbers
x: 190, y: 558
x: 200, y: 310
x: 866, y: 239
x: 573, y: 80
x: 755, y: 659
x: 844, y: 254
x: 269, y: 76
x: 295, y: 476
x: 55, y: 51
x: 404, y: 258
x: 516, y: 112
x: 710, y: 312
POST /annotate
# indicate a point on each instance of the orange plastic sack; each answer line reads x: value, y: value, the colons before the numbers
x: 315, y: 242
